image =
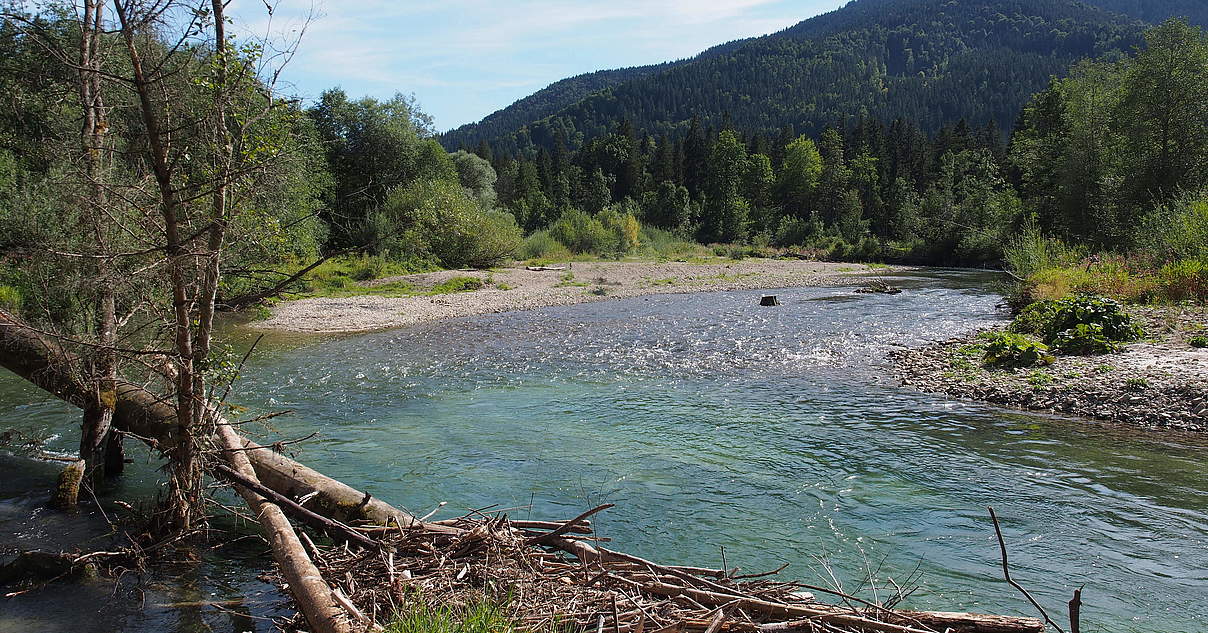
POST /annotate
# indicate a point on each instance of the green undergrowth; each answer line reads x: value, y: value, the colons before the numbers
x: 1080, y: 325
x: 1165, y: 262
x: 356, y: 276
x: 1131, y: 280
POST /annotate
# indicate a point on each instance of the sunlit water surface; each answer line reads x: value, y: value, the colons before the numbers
x: 774, y: 433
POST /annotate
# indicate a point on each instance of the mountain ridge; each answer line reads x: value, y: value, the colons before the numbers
x: 930, y: 61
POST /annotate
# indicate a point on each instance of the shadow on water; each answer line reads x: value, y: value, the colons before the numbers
x: 774, y: 432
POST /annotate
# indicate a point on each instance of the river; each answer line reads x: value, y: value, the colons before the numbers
x: 775, y: 434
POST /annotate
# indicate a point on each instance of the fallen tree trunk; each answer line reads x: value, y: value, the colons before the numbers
x: 312, y: 594
x: 45, y: 362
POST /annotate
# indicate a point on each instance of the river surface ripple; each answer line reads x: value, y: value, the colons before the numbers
x: 774, y: 433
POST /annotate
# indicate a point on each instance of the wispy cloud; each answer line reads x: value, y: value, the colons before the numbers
x: 467, y: 58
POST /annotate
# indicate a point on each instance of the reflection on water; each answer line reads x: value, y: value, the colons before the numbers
x: 771, y: 432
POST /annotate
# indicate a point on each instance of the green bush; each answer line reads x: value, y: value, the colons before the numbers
x: 438, y: 219
x: 1007, y: 349
x: 1177, y: 230
x: 1035, y: 318
x: 1084, y: 339
x: 1109, y: 315
x: 794, y: 231
x: 1051, y: 319
x: 625, y: 228
x: 542, y: 245
x: 1198, y: 341
x: 476, y: 240
x: 582, y: 233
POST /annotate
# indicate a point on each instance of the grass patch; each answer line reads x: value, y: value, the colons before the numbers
x: 567, y: 280
x: 457, y: 284
x: 480, y: 617
x: 1136, y: 384
x: 344, y: 276
x: 1040, y: 379
x: 10, y: 298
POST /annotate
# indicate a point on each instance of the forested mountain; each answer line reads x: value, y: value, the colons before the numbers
x: 1195, y: 11
x: 545, y: 102
x: 932, y: 62
x: 561, y: 94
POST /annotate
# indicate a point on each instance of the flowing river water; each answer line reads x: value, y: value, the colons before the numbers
x: 777, y: 434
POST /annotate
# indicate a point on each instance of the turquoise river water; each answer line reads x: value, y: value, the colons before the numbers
x: 774, y: 433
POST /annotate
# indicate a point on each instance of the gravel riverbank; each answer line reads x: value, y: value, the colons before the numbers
x: 516, y: 288
x: 1161, y: 381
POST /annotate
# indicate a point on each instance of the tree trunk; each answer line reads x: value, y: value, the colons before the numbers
x: 310, y: 591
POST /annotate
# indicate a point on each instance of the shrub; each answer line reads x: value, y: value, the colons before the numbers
x: 794, y: 231
x: 1198, y: 341
x: 1007, y: 349
x: 440, y: 219
x: 624, y: 227
x: 582, y: 233
x: 542, y: 245
x: 1109, y: 315
x: 1035, y: 318
x: 1050, y: 319
x: 1177, y: 230
x: 476, y: 240
x: 1084, y: 339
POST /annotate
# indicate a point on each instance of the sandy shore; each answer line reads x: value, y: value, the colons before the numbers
x: 516, y: 288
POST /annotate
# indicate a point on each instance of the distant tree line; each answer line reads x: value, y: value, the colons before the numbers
x: 1089, y: 160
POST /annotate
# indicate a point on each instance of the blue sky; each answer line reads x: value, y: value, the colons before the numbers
x: 464, y: 59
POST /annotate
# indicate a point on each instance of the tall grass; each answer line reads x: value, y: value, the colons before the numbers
x: 1031, y: 252
x: 10, y: 298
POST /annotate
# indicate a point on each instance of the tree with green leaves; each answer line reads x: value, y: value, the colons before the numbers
x: 476, y: 176
x: 727, y: 213
x: 799, y: 178
x: 372, y: 148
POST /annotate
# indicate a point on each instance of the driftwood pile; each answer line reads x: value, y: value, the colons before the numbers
x: 524, y: 566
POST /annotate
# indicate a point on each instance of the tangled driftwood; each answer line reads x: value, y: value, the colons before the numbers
x: 525, y: 567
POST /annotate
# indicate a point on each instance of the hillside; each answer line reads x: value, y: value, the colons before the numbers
x: 928, y: 61
x: 544, y: 102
